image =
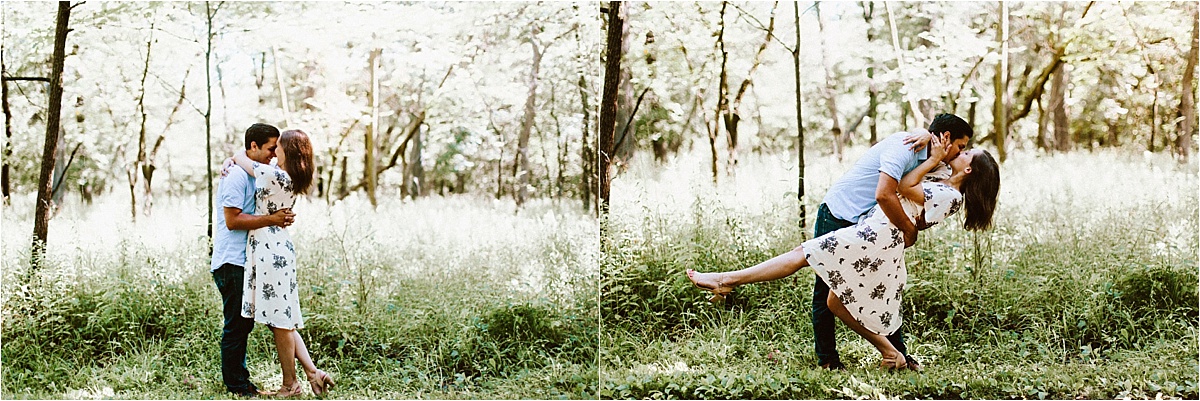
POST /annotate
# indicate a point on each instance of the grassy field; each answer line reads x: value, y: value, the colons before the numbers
x: 442, y: 298
x: 1085, y: 288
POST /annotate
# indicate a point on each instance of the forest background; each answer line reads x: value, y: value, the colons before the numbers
x: 732, y: 119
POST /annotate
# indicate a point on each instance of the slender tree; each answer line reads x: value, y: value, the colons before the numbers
x: 722, y: 92
x: 918, y: 118
x: 608, y: 103
x: 1187, y: 98
x: 873, y: 87
x: 799, y: 117
x: 1058, y: 110
x: 41, y: 220
x: 131, y: 172
x: 733, y: 107
x: 587, y: 154
x: 369, y: 141
x: 527, y: 122
x: 416, y: 167
x: 283, y: 98
x: 831, y: 88
x: 210, y: 13
x: 1000, y: 85
x: 5, y: 186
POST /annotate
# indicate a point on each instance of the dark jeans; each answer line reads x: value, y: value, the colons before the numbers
x: 229, y: 279
x: 822, y: 318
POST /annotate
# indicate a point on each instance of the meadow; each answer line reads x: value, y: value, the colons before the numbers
x: 1085, y: 288
x: 443, y: 298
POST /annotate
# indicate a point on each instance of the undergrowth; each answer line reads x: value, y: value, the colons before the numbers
x: 434, y: 299
x: 1077, y: 292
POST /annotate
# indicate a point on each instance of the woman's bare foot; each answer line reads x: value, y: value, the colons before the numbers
x: 711, y: 282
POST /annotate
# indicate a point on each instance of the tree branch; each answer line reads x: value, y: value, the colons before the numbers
x: 737, y: 100
x: 758, y: 24
x: 630, y: 122
x: 38, y: 79
x: 66, y: 168
x: 1040, y: 83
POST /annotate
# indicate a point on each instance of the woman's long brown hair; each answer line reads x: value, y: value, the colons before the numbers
x: 980, y: 189
x: 299, y: 160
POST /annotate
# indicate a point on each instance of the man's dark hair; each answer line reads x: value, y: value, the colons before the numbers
x: 260, y: 133
x: 949, y: 122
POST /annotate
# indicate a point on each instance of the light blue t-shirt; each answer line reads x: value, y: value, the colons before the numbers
x: 854, y: 194
x: 234, y: 190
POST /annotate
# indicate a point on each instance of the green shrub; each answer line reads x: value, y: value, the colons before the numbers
x: 1157, y: 292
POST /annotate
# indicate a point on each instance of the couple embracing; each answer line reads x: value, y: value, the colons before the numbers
x: 903, y: 184
x: 254, y: 259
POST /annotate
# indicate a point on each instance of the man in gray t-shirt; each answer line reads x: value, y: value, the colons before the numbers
x: 232, y: 223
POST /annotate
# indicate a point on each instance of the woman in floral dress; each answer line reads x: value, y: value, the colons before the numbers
x: 270, y: 294
x: 864, y: 263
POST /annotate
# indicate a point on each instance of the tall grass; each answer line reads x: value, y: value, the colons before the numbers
x: 1086, y: 287
x: 438, y: 298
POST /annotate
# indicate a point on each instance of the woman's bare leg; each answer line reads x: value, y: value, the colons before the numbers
x: 880, y: 342
x: 773, y: 269
x: 285, y: 346
x: 310, y: 369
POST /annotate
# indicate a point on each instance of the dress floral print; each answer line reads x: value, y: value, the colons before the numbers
x: 864, y: 263
x: 270, y: 295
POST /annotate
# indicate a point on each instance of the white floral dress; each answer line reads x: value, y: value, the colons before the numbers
x: 864, y: 263
x: 269, y: 294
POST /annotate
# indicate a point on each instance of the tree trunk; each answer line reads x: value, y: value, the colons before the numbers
x: 1000, y: 85
x: 132, y: 171
x: 209, y: 13
x: 1154, y: 112
x: 260, y: 78
x: 283, y: 98
x: 830, y: 90
x: 1042, y: 142
x: 1187, y: 101
x: 5, y: 186
x: 41, y: 220
x: 561, y: 146
x: 627, y: 103
x: 587, y: 154
x: 918, y: 118
x: 416, y: 167
x: 342, y: 191
x: 1058, y: 108
x: 401, y: 155
x: 873, y: 87
x: 527, y: 122
x: 608, y: 105
x: 971, y: 110
x: 369, y: 141
x: 732, y: 111
x: 587, y: 180
x: 799, y: 118
x: 60, y: 171
x: 722, y: 92
x: 230, y: 135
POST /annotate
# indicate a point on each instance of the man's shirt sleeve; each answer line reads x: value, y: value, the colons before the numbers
x: 230, y: 193
x: 895, y: 160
